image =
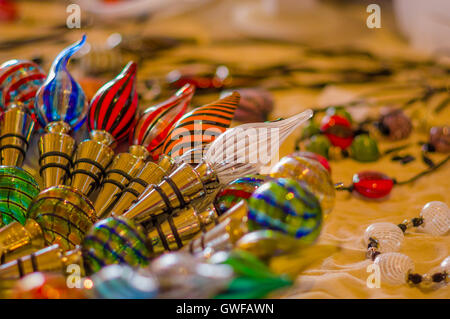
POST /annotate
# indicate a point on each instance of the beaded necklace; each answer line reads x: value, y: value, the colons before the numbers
x: 384, y: 239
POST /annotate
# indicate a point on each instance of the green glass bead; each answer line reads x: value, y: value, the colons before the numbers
x: 312, y: 128
x: 339, y: 110
x: 17, y: 190
x: 364, y: 149
x: 319, y: 144
x: 115, y: 240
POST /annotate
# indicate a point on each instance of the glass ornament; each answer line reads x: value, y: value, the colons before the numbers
x: 201, y: 125
x: 239, y: 189
x: 113, y: 108
x: 156, y: 121
x: 228, y: 157
x: 288, y: 206
x: 115, y: 240
x: 315, y: 176
x: 371, y: 184
x: 338, y: 130
x: 17, y: 190
x: 19, y: 82
x: 319, y: 144
x: 389, y: 236
x: 181, y: 274
x: 445, y: 265
x: 364, y: 149
x: 394, y: 267
x: 61, y: 98
x: 123, y: 282
x: 63, y: 214
x: 436, y: 218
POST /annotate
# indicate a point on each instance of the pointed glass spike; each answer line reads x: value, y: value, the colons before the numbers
x: 113, y: 108
x: 200, y: 126
x: 61, y: 98
x: 156, y: 122
x: 246, y: 148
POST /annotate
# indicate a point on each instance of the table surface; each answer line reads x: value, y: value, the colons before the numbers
x: 336, y: 266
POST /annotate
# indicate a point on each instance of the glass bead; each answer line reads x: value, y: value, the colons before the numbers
x: 316, y: 178
x: 395, y: 125
x: 319, y: 144
x: 440, y: 138
x: 436, y: 218
x: 371, y: 184
x: 365, y: 149
x: 394, y: 267
x: 339, y: 111
x: 338, y: 130
x: 389, y: 236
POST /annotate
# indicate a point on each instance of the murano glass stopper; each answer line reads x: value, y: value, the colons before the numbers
x: 156, y: 121
x: 19, y: 82
x: 111, y: 118
x: 61, y: 98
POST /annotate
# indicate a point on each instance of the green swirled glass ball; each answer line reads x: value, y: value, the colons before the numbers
x: 115, y: 240
x: 286, y: 205
x: 17, y: 190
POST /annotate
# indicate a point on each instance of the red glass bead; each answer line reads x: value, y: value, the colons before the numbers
x: 372, y: 184
x: 8, y: 10
x: 338, y: 129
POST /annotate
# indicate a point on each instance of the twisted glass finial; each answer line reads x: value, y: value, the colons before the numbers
x: 246, y: 148
x: 61, y: 98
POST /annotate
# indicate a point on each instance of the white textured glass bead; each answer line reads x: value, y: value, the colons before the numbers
x: 394, y: 267
x: 389, y: 236
x: 445, y: 265
x: 436, y: 218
